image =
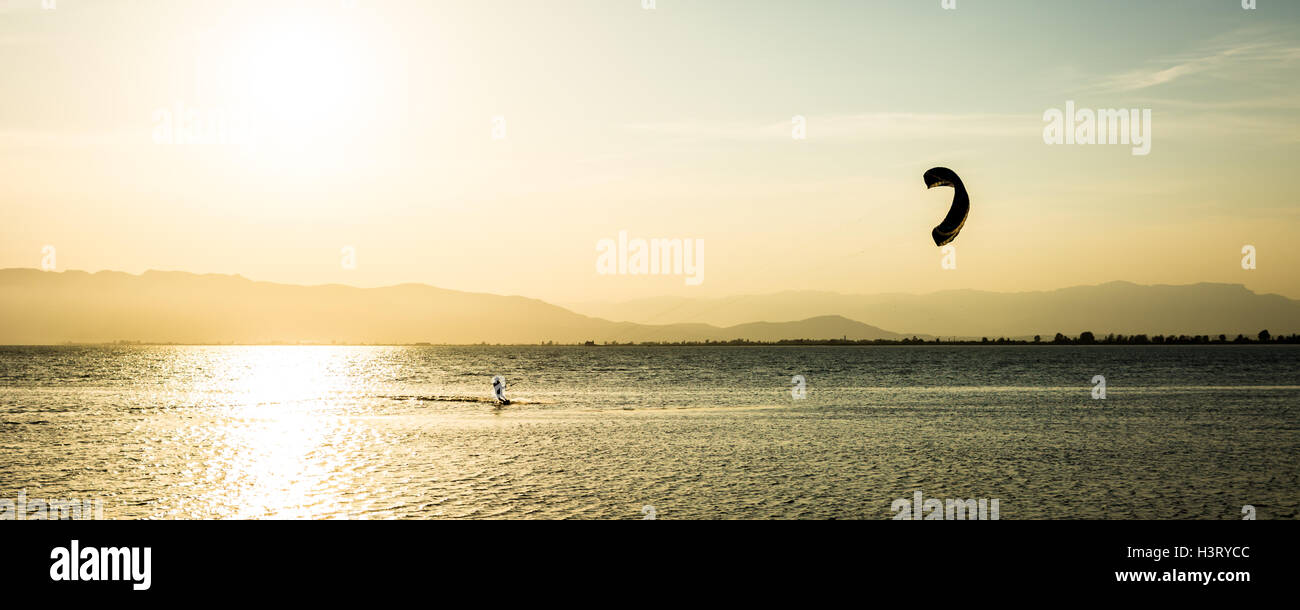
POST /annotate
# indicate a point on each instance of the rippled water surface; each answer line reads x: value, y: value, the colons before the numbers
x: 1185, y: 432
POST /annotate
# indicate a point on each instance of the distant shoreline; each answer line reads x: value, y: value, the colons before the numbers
x: 1060, y: 340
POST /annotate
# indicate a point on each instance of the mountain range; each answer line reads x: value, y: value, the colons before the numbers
x: 39, y: 307
x: 1113, y: 307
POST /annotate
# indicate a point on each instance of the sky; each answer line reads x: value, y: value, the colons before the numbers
x: 490, y: 146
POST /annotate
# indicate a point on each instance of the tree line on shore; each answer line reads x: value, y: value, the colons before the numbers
x: 1084, y: 338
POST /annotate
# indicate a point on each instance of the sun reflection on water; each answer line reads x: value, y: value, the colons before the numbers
x: 275, y: 442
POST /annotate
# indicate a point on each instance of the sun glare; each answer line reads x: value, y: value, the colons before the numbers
x: 303, y: 89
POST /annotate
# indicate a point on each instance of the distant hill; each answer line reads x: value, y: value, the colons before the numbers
x: 39, y: 307
x: 820, y: 327
x: 1115, y: 307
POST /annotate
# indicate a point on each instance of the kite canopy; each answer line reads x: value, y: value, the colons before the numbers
x: 956, y: 218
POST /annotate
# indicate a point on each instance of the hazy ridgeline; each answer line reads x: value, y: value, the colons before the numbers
x: 174, y: 307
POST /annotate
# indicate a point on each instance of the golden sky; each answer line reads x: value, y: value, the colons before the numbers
x: 263, y: 137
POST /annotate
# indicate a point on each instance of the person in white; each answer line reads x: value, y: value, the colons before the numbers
x: 499, y: 390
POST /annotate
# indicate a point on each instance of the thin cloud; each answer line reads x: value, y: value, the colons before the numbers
x: 877, y: 125
x: 1236, y: 57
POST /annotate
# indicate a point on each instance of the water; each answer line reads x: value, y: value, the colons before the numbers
x: 1185, y: 432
